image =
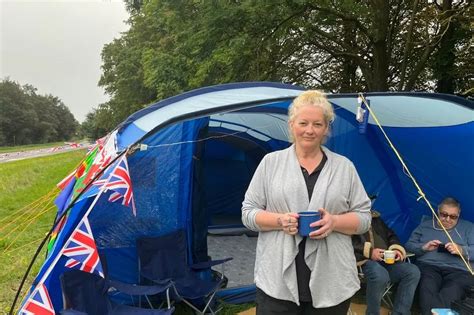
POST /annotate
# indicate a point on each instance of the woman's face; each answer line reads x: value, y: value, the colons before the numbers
x: 309, y: 127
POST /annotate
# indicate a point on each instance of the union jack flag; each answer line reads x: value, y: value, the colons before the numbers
x: 82, y: 251
x: 120, y: 183
x: 38, y: 303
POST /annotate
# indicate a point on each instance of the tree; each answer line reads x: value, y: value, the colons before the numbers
x: 87, y: 127
x: 448, y: 60
x: 17, y: 114
x: 97, y: 123
x: 337, y: 46
x: 26, y: 117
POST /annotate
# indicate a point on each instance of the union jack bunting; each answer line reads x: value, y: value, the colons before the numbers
x: 38, y: 303
x: 120, y: 183
x: 82, y: 251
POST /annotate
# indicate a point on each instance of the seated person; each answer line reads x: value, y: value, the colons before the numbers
x: 369, y: 249
x: 444, y: 275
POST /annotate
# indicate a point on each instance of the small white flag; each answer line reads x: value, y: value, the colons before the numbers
x: 360, y: 114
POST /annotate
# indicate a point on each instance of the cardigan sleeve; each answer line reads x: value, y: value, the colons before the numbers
x: 360, y: 202
x: 255, y: 198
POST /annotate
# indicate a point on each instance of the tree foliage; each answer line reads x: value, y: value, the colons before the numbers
x: 98, y: 122
x: 27, y: 117
x: 334, y: 45
x: 454, y: 55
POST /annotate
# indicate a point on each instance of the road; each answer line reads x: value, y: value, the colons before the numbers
x: 27, y: 154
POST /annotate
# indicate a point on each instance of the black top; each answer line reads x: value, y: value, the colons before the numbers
x: 303, y: 272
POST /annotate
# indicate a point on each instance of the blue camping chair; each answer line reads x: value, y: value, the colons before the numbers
x: 140, y: 290
x: 165, y: 257
x: 87, y: 293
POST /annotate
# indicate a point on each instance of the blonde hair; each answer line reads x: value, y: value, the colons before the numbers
x: 314, y: 98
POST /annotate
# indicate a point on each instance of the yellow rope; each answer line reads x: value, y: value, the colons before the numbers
x: 20, y: 247
x: 30, y: 214
x: 34, y: 205
x: 29, y: 223
x: 33, y: 219
x: 53, y: 191
x: 29, y: 207
x: 420, y: 191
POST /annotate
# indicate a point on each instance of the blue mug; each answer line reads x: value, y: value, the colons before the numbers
x: 305, y: 219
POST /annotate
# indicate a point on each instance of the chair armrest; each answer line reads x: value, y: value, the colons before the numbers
x: 135, y: 289
x: 208, y: 264
x: 409, y: 256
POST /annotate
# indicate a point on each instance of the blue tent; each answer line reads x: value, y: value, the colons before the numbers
x: 195, y: 153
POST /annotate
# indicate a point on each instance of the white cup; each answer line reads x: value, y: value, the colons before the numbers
x: 389, y: 257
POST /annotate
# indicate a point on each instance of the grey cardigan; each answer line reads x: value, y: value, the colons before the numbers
x: 278, y: 186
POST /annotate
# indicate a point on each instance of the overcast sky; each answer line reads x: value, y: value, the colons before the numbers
x: 55, y: 46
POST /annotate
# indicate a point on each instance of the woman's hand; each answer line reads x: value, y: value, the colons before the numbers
x: 289, y: 223
x: 326, y: 225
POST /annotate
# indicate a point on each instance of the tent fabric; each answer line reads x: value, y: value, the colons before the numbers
x: 197, y: 153
x: 200, y: 102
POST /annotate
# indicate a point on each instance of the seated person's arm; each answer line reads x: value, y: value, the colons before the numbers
x: 414, y: 244
x: 467, y: 250
x: 362, y: 248
x: 394, y: 242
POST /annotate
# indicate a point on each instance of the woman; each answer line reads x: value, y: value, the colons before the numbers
x: 295, y: 275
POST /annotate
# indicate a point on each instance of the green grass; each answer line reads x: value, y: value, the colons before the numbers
x: 234, y: 309
x: 22, y: 227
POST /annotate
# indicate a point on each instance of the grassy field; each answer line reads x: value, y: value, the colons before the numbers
x: 23, y: 223
x: 29, y: 147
